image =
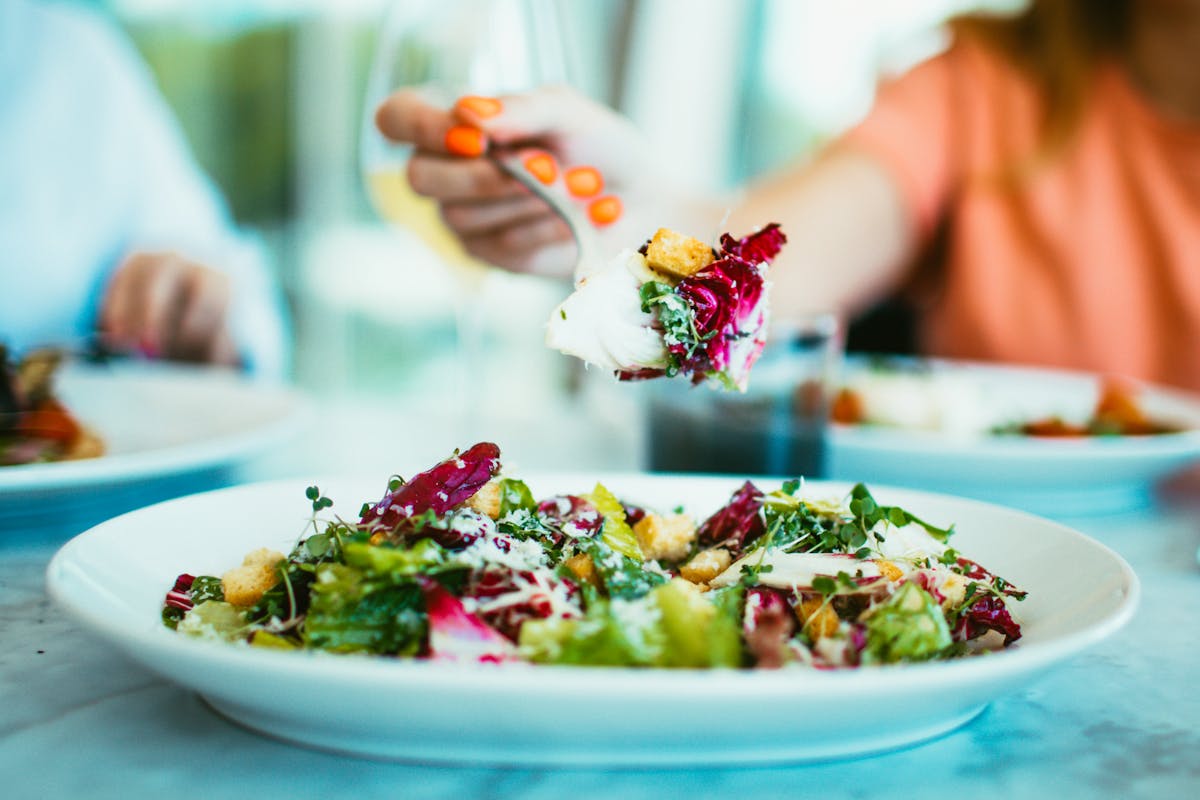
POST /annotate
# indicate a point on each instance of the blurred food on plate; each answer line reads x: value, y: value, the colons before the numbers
x: 916, y: 395
x: 34, y: 425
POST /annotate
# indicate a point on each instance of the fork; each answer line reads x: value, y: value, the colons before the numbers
x: 590, y: 256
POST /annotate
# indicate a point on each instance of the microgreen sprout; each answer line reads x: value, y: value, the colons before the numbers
x: 319, y: 501
x: 949, y: 558
x: 868, y: 513
x: 830, y: 586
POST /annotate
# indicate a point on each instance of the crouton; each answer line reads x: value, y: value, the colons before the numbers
x: 245, y: 585
x: 677, y: 255
x: 889, y: 570
x: 584, y: 569
x: 954, y: 590
x: 487, y: 500
x: 817, y: 617
x: 706, y: 565
x: 665, y: 538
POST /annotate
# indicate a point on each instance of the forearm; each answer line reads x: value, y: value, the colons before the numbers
x: 849, y: 233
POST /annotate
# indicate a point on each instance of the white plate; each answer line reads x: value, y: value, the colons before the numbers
x: 1057, y: 477
x: 112, y: 579
x: 168, y: 430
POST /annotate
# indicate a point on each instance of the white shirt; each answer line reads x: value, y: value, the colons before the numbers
x: 92, y: 167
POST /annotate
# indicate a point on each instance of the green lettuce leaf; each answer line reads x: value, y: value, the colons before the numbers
x: 672, y: 626
x: 616, y: 532
x: 355, y: 611
x: 214, y: 619
x: 909, y: 626
x: 515, y: 495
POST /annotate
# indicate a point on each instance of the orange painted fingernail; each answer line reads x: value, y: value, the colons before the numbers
x: 484, y: 107
x: 605, y: 210
x: 465, y: 140
x: 543, y: 167
x: 584, y: 181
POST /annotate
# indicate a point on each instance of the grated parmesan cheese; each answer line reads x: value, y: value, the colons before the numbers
x: 522, y: 554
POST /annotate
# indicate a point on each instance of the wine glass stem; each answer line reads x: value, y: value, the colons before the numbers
x: 471, y: 329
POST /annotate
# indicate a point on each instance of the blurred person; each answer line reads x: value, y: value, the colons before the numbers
x: 108, y: 229
x: 1034, y: 190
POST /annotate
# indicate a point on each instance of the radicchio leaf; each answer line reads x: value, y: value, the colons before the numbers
x: 530, y: 593
x: 988, y: 613
x: 757, y: 248
x: 457, y: 635
x: 578, y: 516
x: 726, y: 301
x: 437, y: 490
x: 180, y: 596
x: 767, y: 623
x: 737, y: 523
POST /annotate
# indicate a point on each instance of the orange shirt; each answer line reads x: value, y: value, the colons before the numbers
x: 1089, y: 259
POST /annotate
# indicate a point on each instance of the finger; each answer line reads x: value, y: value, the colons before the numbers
x: 531, y: 116
x: 201, y: 320
x: 162, y: 297
x: 406, y: 117
x: 125, y: 327
x: 448, y: 178
x: 583, y: 181
x: 605, y: 210
x: 472, y: 107
x: 473, y: 219
x: 516, y: 247
x: 541, y: 165
x: 118, y: 303
x: 555, y: 261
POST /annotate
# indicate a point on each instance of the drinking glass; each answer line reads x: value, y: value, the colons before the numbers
x: 446, y: 49
x: 777, y: 427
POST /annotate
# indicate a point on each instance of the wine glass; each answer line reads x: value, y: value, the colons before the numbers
x: 446, y: 49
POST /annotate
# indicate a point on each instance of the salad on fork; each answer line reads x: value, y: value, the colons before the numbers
x: 675, y: 306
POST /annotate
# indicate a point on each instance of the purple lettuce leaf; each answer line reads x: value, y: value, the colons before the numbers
x: 737, y: 523
x: 437, y: 490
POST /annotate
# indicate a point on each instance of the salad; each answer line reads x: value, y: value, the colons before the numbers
x: 34, y: 426
x: 1117, y: 413
x: 674, y: 307
x: 461, y: 563
x: 918, y: 398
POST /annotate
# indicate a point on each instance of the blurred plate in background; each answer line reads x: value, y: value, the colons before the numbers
x: 168, y: 430
x: 938, y: 438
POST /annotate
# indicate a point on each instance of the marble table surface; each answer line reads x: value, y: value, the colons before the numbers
x: 1122, y: 720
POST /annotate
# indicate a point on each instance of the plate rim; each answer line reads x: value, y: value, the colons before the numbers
x: 169, y: 460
